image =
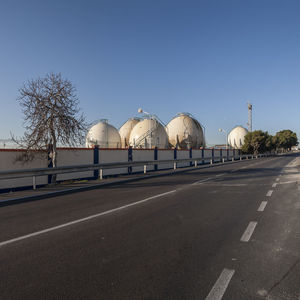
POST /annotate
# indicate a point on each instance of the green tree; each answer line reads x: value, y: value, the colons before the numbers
x: 256, y: 142
x: 286, y: 139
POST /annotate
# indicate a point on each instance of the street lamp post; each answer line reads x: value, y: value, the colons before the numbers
x: 223, y: 130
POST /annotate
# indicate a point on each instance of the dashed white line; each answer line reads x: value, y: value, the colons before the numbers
x: 219, y: 175
x: 274, y: 184
x: 262, y: 206
x: 269, y: 193
x: 83, y: 219
x: 221, y: 285
x: 248, y: 232
x: 277, y: 179
x: 201, y: 181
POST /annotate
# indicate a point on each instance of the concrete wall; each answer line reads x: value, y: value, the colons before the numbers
x: 207, y: 155
x: 110, y: 156
x: 217, y: 155
x: 69, y: 156
x: 183, y: 154
x: 165, y: 155
x: 9, y: 161
x: 197, y: 154
x: 142, y: 154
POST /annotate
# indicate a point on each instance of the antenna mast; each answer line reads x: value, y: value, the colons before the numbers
x: 249, y: 117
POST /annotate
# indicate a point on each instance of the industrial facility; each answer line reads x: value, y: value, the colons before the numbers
x: 184, y: 131
x: 236, y: 137
x: 103, y: 135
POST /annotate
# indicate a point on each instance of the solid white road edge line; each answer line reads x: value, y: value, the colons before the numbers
x: 221, y: 285
x: 262, y: 206
x: 248, y: 232
x: 83, y: 219
x: 269, y: 193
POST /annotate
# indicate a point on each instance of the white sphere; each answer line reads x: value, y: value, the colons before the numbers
x: 104, y: 135
x: 148, y: 133
x: 236, y: 137
x: 125, y: 131
x: 185, y: 132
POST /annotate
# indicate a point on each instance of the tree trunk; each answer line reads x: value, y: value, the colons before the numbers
x: 54, y: 157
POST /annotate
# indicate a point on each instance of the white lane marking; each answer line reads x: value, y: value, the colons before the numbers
x: 274, y: 185
x: 83, y: 219
x: 262, y: 206
x: 234, y: 184
x: 277, y: 179
x: 201, y: 181
x: 269, y: 193
x: 221, y: 285
x: 288, y: 182
x: 248, y: 232
x: 219, y: 175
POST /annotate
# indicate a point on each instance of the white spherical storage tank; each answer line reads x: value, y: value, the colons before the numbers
x: 103, y: 135
x: 236, y: 137
x: 185, y: 132
x: 148, y: 133
x: 126, y: 129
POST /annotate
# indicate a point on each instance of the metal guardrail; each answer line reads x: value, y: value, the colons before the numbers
x: 14, y: 174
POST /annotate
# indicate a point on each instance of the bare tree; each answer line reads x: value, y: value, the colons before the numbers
x: 51, y: 115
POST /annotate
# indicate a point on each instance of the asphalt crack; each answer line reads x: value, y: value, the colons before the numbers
x: 282, y: 278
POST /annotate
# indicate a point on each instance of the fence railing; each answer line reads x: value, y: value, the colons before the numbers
x: 14, y: 174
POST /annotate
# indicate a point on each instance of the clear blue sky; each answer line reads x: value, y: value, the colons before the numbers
x: 167, y: 56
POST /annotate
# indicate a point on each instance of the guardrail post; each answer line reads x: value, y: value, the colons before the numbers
x: 155, y: 158
x: 232, y: 158
x: 223, y: 160
x: 211, y: 161
x: 34, y: 182
x: 101, y: 174
x: 129, y: 159
x: 191, y: 156
x: 196, y: 163
x: 175, y: 157
x: 145, y: 169
x: 96, y: 161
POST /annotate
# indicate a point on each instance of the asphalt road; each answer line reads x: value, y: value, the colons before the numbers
x: 227, y: 232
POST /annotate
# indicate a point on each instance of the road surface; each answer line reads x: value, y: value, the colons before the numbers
x: 227, y: 232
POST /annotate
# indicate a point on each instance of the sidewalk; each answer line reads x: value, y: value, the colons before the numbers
x: 68, y: 187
